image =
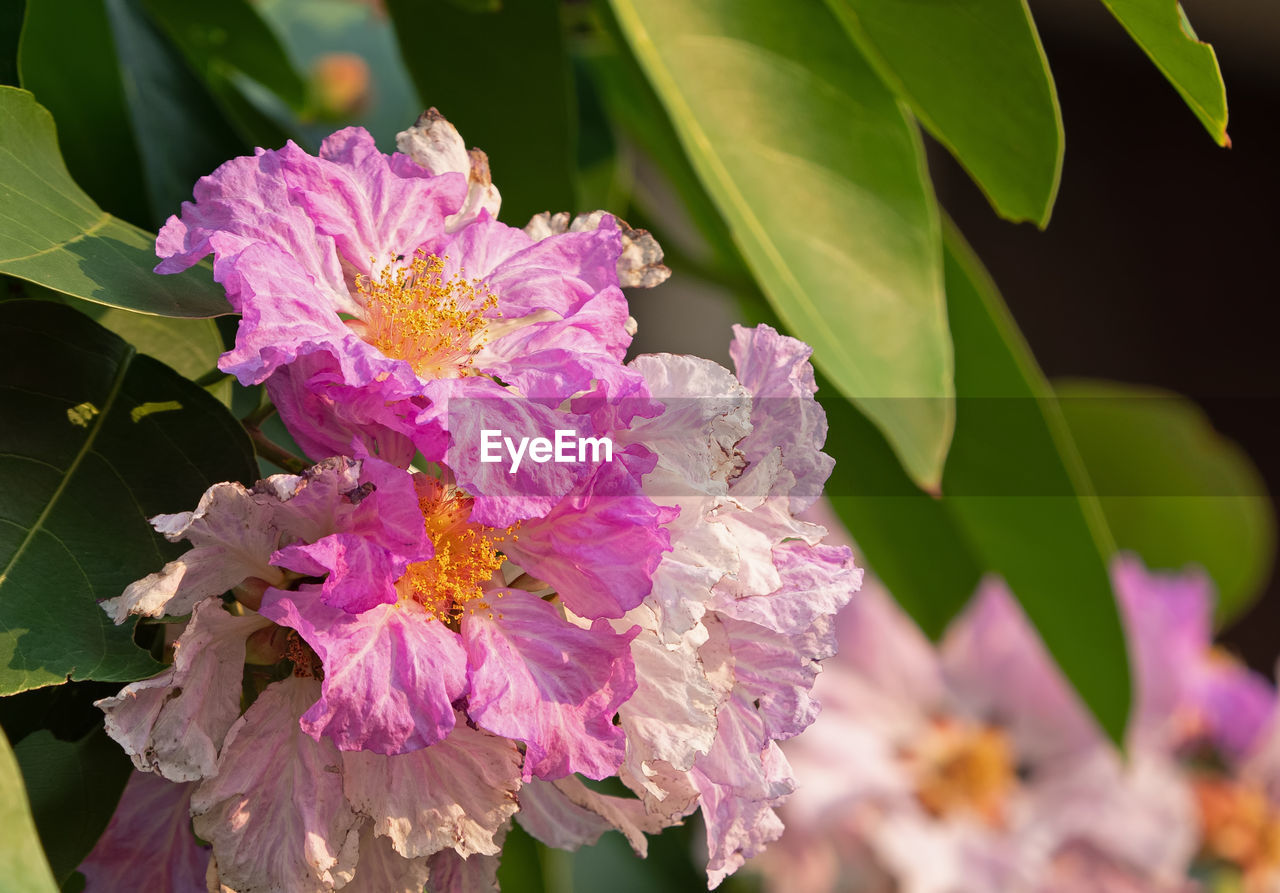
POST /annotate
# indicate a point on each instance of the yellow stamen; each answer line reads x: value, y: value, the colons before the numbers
x: 963, y: 767
x: 416, y: 314
x: 1239, y: 825
x: 466, y: 555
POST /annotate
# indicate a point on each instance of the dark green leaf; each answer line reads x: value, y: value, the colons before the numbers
x: 52, y: 234
x: 1018, y: 491
x: 226, y: 36
x: 23, y: 868
x: 1161, y: 28
x: 502, y: 78
x: 1173, y: 489
x: 70, y: 63
x: 820, y: 177
x: 95, y: 440
x: 74, y: 788
x: 181, y: 132
x: 974, y: 73
x: 143, y: 98
x: 11, y: 13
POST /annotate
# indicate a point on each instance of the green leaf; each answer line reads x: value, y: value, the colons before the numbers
x: 1161, y: 28
x: 74, y: 788
x: 134, y: 119
x: 1019, y: 494
x: 108, y: 439
x: 820, y: 176
x: 23, y: 868
x: 69, y: 63
x: 513, y: 100
x: 230, y: 35
x: 52, y: 234
x: 909, y: 539
x: 975, y: 74
x: 1173, y: 489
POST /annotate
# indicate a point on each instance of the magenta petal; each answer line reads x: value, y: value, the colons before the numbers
x: 599, y: 547
x: 539, y: 679
x: 360, y: 573
x: 391, y: 674
x: 148, y: 844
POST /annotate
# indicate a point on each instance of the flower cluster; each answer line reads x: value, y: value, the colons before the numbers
x: 384, y: 659
x: 973, y: 766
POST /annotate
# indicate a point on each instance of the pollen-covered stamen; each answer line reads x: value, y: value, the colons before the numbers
x: 1239, y: 825
x: 963, y: 767
x: 466, y: 558
x: 434, y: 323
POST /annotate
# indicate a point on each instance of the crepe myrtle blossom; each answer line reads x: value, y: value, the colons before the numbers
x: 973, y: 765
x: 381, y: 303
x: 1219, y: 719
x: 741, y: 611
x: 425, y: 683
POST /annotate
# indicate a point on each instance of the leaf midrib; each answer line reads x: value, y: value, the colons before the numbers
x: 85, y: 449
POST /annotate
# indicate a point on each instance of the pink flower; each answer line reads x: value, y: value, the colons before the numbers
x: 974, y: 766
x: 415, y: 670
x: 741, y: 610
x: 388, y: 312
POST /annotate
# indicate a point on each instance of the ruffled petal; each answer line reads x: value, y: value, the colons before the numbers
x: 456, y: 793
x: 451, y: 873
x: 382, y: 870
x: 275, y: 812
x: 175, y: 723
x: 539, y: 679
x: 391, y: 674
x: 566, y: 814
x: 785, y: 417
x: 598, y: 547
x: 232, y: 533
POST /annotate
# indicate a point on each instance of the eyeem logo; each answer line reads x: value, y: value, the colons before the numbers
x: 567, y: 447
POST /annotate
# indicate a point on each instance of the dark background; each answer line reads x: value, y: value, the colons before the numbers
x: 1159, y: 264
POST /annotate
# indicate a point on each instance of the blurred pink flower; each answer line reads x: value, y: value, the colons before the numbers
x: 973, y: 766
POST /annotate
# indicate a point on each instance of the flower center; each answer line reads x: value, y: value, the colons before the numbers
x: 1239, y: 824
x: 960, y: 767
x: 466, y: 555
x: 416, y: 314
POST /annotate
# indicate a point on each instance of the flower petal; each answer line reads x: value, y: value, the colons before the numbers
x: 456, y: 793
x: 148, y: 845
x: 539, y: 679
x: 275, y: 812
x: 391, y: 674
x: 175, y: 723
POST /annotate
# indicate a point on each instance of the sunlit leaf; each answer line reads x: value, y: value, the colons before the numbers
x: 975, y: 75
x: 1173, y: 489
x: 22, y: 863
x: 820, y: 177
x: 96, y: 440
x: 52, y: 234
x: 1161, y: 28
